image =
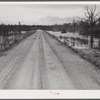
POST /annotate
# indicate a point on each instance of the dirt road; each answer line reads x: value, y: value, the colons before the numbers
x: 41, y: 62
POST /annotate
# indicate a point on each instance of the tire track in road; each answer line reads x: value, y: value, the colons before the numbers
x: 56, y: 75
x: 35, y: 78
x: 42, y: 64
x: 28, y: 76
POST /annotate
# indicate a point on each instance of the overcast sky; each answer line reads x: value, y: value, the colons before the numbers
x: 29, y: 13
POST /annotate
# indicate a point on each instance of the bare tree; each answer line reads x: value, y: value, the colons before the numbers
x: 74, y: 25
x: 92, y: 17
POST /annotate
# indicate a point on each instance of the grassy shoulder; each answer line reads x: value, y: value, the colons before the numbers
x: 91, y: 55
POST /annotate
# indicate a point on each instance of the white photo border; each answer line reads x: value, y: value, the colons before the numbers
x: 50, y: 94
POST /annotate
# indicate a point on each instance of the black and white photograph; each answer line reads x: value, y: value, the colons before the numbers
x: 49, y: 46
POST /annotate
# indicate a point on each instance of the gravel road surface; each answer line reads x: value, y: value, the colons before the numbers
x: 42, y: 62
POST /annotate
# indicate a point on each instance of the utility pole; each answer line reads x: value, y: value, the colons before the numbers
x: 74, y: 26
x: 19, y: 27
x: 2, y: 37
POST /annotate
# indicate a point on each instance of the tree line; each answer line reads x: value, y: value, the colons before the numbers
x: 6, y: 30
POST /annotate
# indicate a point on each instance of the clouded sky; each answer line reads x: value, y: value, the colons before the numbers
x: 29, y: 13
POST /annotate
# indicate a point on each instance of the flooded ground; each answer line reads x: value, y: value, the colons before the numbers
x: 76, y: 40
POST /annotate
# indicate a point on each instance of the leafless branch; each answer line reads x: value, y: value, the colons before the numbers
x: 91, y: 14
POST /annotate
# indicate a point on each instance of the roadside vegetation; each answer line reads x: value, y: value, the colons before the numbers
x: 13, y: 34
